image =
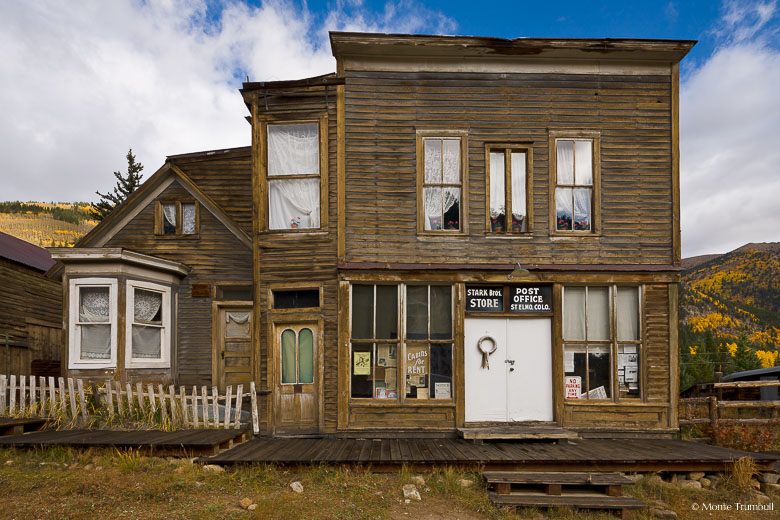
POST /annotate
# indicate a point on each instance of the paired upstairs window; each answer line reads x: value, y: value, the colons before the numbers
x: 440, y: 181
x: 509, y: 189
x: 293, y: 174
x: 176, y: 218
x: 575, y: 181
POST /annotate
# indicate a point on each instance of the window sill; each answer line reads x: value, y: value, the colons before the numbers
x: 573, y: 236
x: 91, y: 366
x: 383, y: 403
x: 609, y: 402
x: 294, y: 233
x: 438, y: 235
x: 189, y: 236
x: 146, y: 365
x: 509, y: 236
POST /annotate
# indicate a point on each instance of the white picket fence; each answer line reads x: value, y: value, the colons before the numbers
x: 67, y: 398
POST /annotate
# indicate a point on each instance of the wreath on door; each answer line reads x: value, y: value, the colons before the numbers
x: 486, y: 351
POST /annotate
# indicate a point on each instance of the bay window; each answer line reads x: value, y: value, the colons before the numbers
x: 602, y: 343
x: 401, y: 342
x: 93, y: 318
x: 148, y: 325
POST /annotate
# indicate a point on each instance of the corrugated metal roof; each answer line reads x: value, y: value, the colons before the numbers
x: 25, y: 253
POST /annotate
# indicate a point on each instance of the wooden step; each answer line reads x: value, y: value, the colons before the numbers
x: 557, y: 477
x: 625, y: 505
x: 516, y: 432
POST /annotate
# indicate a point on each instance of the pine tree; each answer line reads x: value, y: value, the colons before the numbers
x: 125, y: 185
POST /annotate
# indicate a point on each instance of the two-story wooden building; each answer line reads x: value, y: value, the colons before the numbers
x: 448, y: 231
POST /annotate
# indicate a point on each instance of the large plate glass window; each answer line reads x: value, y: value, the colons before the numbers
x: 508, y: 181
x: 148, y: 325
x: 442, y: 184
x: 293, y: 176
x: 602, y: 342
x: 574, y: 185
x: 93, y: 320
x: 414, y: 365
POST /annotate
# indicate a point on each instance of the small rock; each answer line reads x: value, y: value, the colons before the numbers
x: 9, y: 462
x: 696, y: 475
x: 89, y: 467
x: 770, y: 488
x: 410, y: 492
x: 419, y: 480
x: 465, y: 483
x: 689, y: 484
x: 705, y: 483
x: 252, y: 507
x: 767, y: 478
x: 198, y: 484
x: 663, y: 514
x: 715, y: 481
x: 245, y: 503
x: 213, y: 468
x: 407, y: 501
x: 297, y: 487
x: 98, y: 468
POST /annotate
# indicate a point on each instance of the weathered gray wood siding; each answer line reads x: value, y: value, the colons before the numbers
x: 383, y: 109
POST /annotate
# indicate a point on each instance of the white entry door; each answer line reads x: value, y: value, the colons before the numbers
x: 517, y: 383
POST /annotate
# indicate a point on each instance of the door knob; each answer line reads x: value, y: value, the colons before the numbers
x: 512, y: 369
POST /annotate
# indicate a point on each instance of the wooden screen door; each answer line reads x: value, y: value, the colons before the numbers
x: 233, y: 356
x: 297, y: 399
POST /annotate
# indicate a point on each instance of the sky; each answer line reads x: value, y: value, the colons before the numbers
x: 81, y: 82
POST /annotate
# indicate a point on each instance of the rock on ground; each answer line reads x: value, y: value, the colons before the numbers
x: 410, y: 492
x: 245, y: 503
x: 692, y: 484
x: 213, y: 468
x: 297, y: 487
x: 663, y: 514
x: 419, y: 480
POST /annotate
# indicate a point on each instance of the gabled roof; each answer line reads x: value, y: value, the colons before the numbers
x: 152, y: 188
x: 24, y: 253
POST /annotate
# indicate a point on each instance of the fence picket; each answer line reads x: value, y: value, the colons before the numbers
x: 119, y: 406
x: 239, y: 405
x: 3, y: 390
x: 253, y: 401
x: 73, y: 410
x: 33, y: 401
x: 205, y: 408
x: 42, y: 390
x: 109, y: 398
x: 140, y: 395
x: 52, y: 400
x: 152, y: 404
x: 12, y: 395
x: 228, y: 396
x: 172, y: 403
x: 82, y: 400
x: 129, y: 395
x: 22, y: 390
x: 163, y: 413
x: 183, y: 398
x: 63, y: 404
x: 195, y: 406
x: 215, y: 405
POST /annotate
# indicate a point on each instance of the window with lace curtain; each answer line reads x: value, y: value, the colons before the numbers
x: 441, y: 181
x: 147, y: 325
x: 575, y: 175
x: 176, y: 218
x: 92, y: 334
x: 509, y: 185
x: 294, y: 176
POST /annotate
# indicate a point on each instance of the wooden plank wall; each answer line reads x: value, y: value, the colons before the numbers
x: 226, y: 177
x: 383, y: 109
x: 215, y: 255
x: 657, y: 343
x: 26, y: 295
x: 305, y: 257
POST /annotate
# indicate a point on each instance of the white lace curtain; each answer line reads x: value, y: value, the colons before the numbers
x: 147, y: 329
x: 518, y: 185
x: 574, y: 166
x: 94, y: 309
x: 497, y: 186
x: 237, y: 324
x: 188, y: 219
x: 169, y: 210
x: 293, y: 150
x: 437, y: 202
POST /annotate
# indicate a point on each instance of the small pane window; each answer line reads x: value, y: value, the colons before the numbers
x: 147, y: 324
x: 305, y: 356
x: 188, y: 219
x: 508, y: 179
x: 360, y: 368
x: 417, y: 312
x: 296, y: 299
x: 442, y: 184
x: 94, y: 322
x: 288, y: 357
x: 176, y: 218
x: 169, y: 219
x: 386, y: 312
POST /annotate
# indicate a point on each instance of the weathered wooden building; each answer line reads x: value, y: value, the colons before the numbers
x: 447, y: 232
x: 30, y: 310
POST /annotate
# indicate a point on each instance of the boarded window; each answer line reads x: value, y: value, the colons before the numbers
x: 296, y: 299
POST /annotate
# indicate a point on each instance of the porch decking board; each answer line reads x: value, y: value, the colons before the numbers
x: 586, y: 454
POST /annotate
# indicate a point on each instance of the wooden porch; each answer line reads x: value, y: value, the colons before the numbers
x: 623, y: 455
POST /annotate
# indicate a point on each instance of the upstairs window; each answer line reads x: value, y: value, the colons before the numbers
x: 293, y: 171
x: 440, y: 177
x: 508, y: 189
x: 176, y: 218
x: 575, y: 181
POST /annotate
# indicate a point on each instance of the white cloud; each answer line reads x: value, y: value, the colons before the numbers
x: 84, y: 81
x: 730, y: 130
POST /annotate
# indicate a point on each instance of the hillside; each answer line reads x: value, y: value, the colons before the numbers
x: 730, y: 312
x: 46, y: 224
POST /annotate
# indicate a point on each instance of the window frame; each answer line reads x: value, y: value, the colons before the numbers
x: 165, y: 336
x: 401, y: 342
x: 594, y: 136
x: 159, y: 218
x: 264, y: 180
x: 75, y: 361
x: 613, y: 343
x: 421, y: 136
x: 508, y: 149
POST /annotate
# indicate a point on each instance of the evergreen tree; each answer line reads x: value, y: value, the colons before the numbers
x: 125, y: 185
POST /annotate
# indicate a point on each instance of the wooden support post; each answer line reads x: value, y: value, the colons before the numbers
x: 615, y: 491
x: 82, y: 400
x: 239, y: 405
x: 228, y: 397
x: 72, y: 394
x: 253, y: 404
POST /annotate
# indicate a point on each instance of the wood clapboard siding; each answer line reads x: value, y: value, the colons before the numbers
x: 295, y: 258
x: 226, y: 177
x: 633, y: 114
x: 215, y: 255
x: 657, y: 346
x: 30, y: 305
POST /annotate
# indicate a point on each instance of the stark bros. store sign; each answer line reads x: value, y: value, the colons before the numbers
x: 512, y: 299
